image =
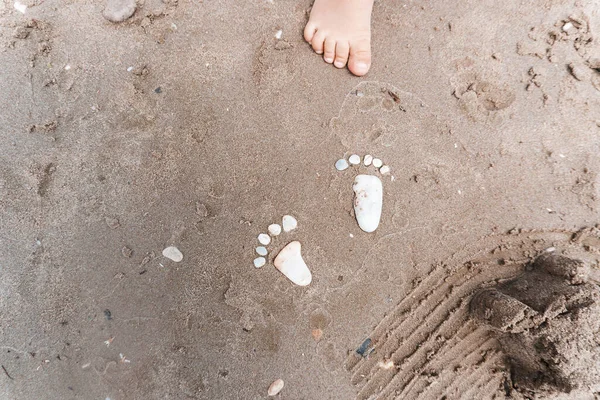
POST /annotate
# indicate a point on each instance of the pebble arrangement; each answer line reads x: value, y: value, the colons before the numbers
x: 368, y: 190
x: 289, y: 261
x: 343, y: 164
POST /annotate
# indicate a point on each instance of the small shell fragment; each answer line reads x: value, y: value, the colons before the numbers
x: 368, y: 160
x: 274, y: 229
x: 384, y: 170
x: 275, y: 387
x: 354, y: 159
x: 341, y: 164
x: 263, y: 238
x: 377, y: 163
x: 259, y: 262
x: 289, y: 223
x: 173, y: 253
x: 261, y: 251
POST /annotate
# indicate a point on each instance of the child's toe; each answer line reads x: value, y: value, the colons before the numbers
x: 329, y: 53
x: 342, y: 49
x: 317, y: 42
x: 309, y: 32
x: 360, y: 57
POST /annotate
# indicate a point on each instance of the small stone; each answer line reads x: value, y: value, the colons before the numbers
x: 289, y: 223
x: 368, y: 160
x: 341, y: 164
x: 354, y: 159
x: 279, y: 34
x: 377, y: 163
x: 290, y: 263
x: 173, y: 253
x: 384, y: 169
x: 112, y: 223
x: 119, y: 10
x: 274, y: 229
x: 368, y: 201
x: 275, y: 387
x: 317, y: 334
x: 127, y: 252
x: 263, y: 238
x: 567, y: 26
x: 259, y: 262
x: 261, y: 251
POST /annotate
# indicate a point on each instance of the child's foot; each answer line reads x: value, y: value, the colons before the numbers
x: 341, y: 31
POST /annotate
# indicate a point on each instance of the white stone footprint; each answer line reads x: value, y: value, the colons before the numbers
x: 368, y: 191
x: 289, y: 260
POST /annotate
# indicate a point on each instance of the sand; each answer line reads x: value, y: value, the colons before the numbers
x: 190, y: 125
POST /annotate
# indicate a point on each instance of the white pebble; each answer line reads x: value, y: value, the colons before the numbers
x: 173, y: 253
x: 384, y: 170
x: 289, y: 223
x: 265, y: 239
x: 259, y: 262
x: 274, y: 229
x: 290, y: 263
x: 20, y: 7
x: 278, y: 34
x: 377, y: 163
x: 368, y: 160
x: 368, y: 201
x: 341, y: 164
x: 261, y: 250
x: 275, y: 387
x: 129, y: 69
x: 567, y: 26
x: 354, y: 159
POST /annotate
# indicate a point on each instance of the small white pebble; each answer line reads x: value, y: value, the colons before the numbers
x: 550, y: 249
x: 67, y: 67
x: 274, y: 229
x: 275, y: 387
x: 173, y: 253
x: 354, y: 159
x: 173, y: 26
x: 561, y: 155
x: 20, y: 7
x: 261, y: 250
x: 351, y: 235
x: 384, y: 170
x: 263, y: 238
x: 341, y: 164
x: 259, y: 262
x: 289, y: 223
x: 279, y: 34
x: 377, y: 163
x: 129, y: 69
x: 567, y: 26
x: 368, y: 160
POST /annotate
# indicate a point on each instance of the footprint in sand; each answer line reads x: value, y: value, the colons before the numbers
x: 289, y: 260
x: 368, y: 190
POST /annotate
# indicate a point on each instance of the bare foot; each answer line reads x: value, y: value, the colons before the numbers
x: 341, y: 31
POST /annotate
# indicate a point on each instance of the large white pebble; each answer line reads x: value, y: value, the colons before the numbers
x: 173, y: 253
x: 274, y: 229
x: 368, y: 201
x: 265, y: 239
x: 289, y: 223
x: 261, y: 251
x: 275, y: 387
x: 289, y: 262
x: 384, y: 170
x: 377, y: 162
x: 341, y: 164
x: 354, y: 159
x: 368, y: 160
x: 259, y: 262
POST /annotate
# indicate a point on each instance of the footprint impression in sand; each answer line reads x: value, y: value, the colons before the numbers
x: 289, y: 261
x: 368, y: 190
